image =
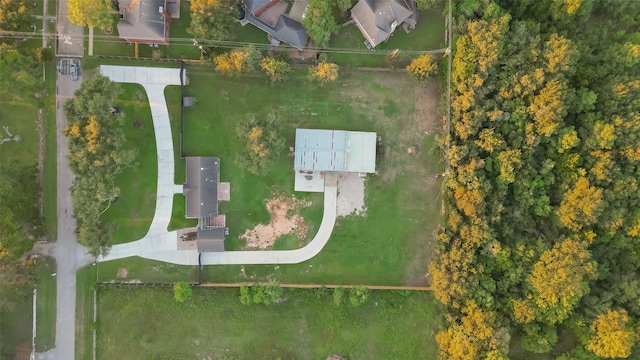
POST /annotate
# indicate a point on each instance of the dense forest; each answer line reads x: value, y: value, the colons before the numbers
x: 540, y: 246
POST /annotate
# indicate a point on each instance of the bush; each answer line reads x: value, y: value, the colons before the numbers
x: 358, y: 295
x: 245, y: 295
x: 262, y: 141
x: 324, y: 72
x: 182, y: 291
x: 422, y: 67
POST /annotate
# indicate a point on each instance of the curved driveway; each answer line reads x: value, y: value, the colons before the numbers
x: 161, y: 245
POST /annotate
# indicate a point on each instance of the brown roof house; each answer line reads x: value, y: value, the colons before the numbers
x: 203, y: 190
x: 270, y: 16
x: 378, y: 19
x: 147, y: 21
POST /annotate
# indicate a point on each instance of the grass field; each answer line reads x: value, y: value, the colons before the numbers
x: 46, y: 307
x: 391, y: 245
x: 134, y: 209
x: 21, y: 118
x: 85, y: 279
x: 305, y: 325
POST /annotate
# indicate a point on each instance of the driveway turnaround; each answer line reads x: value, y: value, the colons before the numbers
x: 162, y: 245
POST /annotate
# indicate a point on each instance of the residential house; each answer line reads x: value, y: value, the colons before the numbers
x: 146, y: 21
x: 378, y: 19
x: 203, y: 190
x: 270, y: 16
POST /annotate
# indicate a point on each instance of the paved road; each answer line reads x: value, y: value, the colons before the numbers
x: 159, y: 244
x: 69, y: 255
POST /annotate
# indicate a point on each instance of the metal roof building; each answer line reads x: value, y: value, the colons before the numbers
x: 335, y: 150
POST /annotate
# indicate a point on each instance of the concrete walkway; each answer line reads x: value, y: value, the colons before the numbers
x: 161, y: 245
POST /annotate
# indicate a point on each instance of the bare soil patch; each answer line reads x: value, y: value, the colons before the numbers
x: 284, y: 220
x: 350, y: 194
x: 122, y: 273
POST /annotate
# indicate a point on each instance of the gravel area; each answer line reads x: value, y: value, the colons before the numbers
x: 350, y: 194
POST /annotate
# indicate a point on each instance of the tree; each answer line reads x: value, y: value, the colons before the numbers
x: 277, y: 70
x: 422, y: 67
x: 560, y: 278
x: 425, y: 4
x: 237, y: 62
x: 261, y: 142
x: 212, y: 19
x: 548, y: 107
x: 319, y: 22
x: 611, y: 335
x: 182, y: 291
x: 20, y: 75
x: 324, y: 72
x: 344, y: 5
x: 97, y: 153
x: 580, y: 205
x: 91, y: 13
x: 14, y: 16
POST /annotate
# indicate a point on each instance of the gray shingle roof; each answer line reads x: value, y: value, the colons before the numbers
x: 142, y: 20
x: 201, y: 188
x: 377, y: 19
x: 210, y: 240
x: 290, y: 31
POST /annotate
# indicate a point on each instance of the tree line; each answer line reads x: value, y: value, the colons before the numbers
x: 542, y: 228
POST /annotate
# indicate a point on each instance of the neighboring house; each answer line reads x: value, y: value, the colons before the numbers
x: 270, y: 16
x: 378, y: 19
x: 203, y: 190
x: 146, y: 21
x: 320, y: 151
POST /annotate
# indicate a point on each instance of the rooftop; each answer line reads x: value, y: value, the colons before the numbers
x: 335, y: 150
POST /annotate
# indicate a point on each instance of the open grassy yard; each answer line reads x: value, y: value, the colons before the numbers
x: 305, y: 325
x: 21, y: 118
x: 133, y: 211
x: 392, y: 243
x: 46, y: 306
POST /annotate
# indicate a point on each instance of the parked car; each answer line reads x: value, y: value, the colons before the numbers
x: 74, y: 71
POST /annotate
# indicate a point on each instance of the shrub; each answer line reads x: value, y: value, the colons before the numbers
x: 182, y: 291
x: 358, y: 295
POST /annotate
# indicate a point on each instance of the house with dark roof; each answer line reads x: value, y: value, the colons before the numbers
x: 378, y: 19
x: 270, y: 16
x: 146, y: 21
x: 203, y: 190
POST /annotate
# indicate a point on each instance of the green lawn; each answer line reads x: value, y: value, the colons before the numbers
x: 50, y: 155
x: 139, y: 269
x: 21, y: 118
x: 305, y: 325
x: 134, y: 209
x: 46, y: 307
x: 393, y: 242
x: 15, y: 329
x: 85, y: 279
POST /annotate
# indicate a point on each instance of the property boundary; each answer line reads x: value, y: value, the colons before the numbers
x: 284, y: 286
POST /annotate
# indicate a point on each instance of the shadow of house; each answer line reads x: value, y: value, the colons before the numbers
x: 146, y: 21
x: 203, y: 190
x: 378, y: 19
x: 270, y: 16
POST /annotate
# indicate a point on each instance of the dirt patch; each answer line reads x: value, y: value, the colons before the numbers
x: 122, y: 273
x: 350, y: 194
x: 426, y: 114
x: 284, y: 220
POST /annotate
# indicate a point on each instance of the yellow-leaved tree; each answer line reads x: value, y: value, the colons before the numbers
x: 324, y: 72
x: 548, y: 108
x: 560, y: 278
x: 422, y: 67
x: 91, y: 13
x: 560, y: 53
x: 611, y: 335
x: 581, y: 205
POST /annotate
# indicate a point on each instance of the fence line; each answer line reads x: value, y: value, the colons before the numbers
x: 286, y: 286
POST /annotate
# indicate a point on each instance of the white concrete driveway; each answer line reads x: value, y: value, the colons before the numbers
x: 159, y: 244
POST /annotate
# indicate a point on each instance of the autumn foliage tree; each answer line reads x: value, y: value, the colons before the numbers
x: 97, y: 153
x: 277, y: 70
x: 422, y: 67
x: 612, y: 335
x: 14, y: 16
x: 91, y: 13
x: 319, y: 21
x: 237, y: 62
x: 324, y: 72
x: 261, y: 142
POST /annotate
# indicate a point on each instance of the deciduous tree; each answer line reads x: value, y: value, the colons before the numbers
x: 319, y: 21
x: 612, y: 335
x: 91, y: 13
x: 324, y: 72
x: 277, y: 70
x: 14, y: 16
x: 212, y: 19
x: 261, y: 140
x: 422, y: 67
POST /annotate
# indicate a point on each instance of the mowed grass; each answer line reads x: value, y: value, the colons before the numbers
x: 21, y: 118
x: 305, y: 325
x: 46, y: 306
x: 393, y: 242
x: 133, y: 211
x: 85, y: 280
